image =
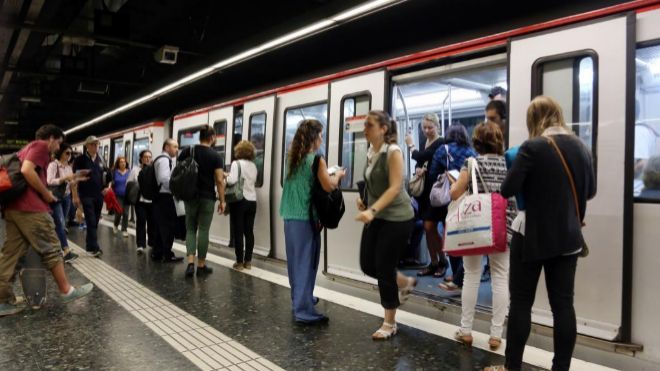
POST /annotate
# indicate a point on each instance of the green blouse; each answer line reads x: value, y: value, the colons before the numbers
x: 297, y: 192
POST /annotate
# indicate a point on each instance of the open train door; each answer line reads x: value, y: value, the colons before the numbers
x: 259, y: 114
x: 350, y: 101
x: 222, y: 121
x: 584, y: 67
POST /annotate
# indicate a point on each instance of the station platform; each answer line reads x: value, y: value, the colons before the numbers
x: 146, y: 315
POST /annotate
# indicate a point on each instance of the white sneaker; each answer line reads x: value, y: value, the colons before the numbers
x: 140, y: 250
x: 115, y: 229
x: 125, y: 234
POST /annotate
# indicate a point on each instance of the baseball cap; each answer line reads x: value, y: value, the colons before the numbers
x: 92, y: 139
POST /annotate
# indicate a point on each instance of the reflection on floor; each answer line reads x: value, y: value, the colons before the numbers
x: 97, y: 333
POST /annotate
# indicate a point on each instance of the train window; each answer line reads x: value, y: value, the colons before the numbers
x: 456, y: 96
x: 119, y: 149
x: 238, y: 130
x: 353, y: 154
x: 258, y: 138
x: 572, y: 81
x: 220, y: 128
x: 647, y: 125
x: 139, y: 145
x: 189, y: 137
x: 106, y: 154
x: 292, y: 118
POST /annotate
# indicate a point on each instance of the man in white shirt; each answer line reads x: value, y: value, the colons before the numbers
x: 166, y: 218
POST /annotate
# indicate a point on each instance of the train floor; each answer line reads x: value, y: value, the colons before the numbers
x: 146, y: 315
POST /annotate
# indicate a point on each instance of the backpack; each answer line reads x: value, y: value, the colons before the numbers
x: 149, y: 187
x: 234, y: 192
x: 183, y: 183
x: 12, y: 181
x: 329, y: 205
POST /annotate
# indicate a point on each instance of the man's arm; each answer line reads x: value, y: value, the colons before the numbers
x: 29, y: 171
x: 220, y: 186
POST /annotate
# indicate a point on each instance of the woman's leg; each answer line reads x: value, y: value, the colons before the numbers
x: 58, y: 218
x: 523, y: 278
x: 472, y: 265
x: 237, y: 224
x: 118, y: 215
x: 303, y: 251
x: 499, y: 264
x: 248, y: 230
x: 124, y: 215
x: 433, y: 242
x: 560, y: 283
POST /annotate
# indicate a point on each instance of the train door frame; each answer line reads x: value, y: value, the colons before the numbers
x: 287, y: 101
x: 610, y: 104
x: 263, y: 242
x: 341, y: 256
x: 220, y: 232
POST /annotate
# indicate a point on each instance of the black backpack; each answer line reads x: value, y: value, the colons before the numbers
x: 183, y: 183
x: 11, y: 164
x: 329, y: 205
x: 147, y: 182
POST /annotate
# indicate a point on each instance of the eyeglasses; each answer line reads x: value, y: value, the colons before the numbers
x: 67, y: 152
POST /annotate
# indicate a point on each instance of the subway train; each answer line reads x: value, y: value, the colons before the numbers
x: 602, y: 66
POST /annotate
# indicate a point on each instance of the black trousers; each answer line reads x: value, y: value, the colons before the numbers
x: 560, y: 283
x: 92, y: 208
x: 166, y: 220
x: 382, y: 244
x: 144, y: 225
x: 241, y: 220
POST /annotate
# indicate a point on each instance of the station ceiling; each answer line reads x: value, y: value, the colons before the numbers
x: 68, y: 61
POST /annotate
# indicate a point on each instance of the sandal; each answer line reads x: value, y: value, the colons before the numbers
x: 405, y: 292
x: 495, y: 368
x: 440, y: 272
x: 431, y: 269
x: 494, y: 343
x: 381, y: 334
x: 463, y: 339
x: 449, y: 279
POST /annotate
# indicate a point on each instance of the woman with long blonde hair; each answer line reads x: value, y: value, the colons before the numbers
x: 550, y: 236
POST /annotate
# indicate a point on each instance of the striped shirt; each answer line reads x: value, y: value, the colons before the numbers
x: 493, y: 171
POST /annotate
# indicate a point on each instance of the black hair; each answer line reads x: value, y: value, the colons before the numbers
x: 206, y: 133
x: 458, y: 134
x: 498, y: 106
x: 142, y: 154
x: 63, y: 148
x: 45, y: 132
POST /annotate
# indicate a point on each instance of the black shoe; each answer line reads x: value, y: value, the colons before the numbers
x: 190, y: 271
x: 173, y: 259
x: 156, y: 258
x: 204, y: 270
x: 319, y: 321
x: 71, y: 256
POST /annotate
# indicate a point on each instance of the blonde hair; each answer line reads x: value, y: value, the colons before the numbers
x: 432, y: 117
x: 544, y: 112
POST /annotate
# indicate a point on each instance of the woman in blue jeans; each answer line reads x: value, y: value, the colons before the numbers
x: 60, y: 175
x: 301, y: 232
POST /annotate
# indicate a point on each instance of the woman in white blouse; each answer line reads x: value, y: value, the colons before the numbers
x: 243, y: 212
x: 59, y: 177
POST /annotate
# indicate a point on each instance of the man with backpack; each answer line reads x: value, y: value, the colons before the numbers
x: 208, y: 165
x: 29, y: 224
x: 164, y: 208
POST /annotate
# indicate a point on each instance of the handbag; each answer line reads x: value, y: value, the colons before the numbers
x: 585, y: 249
x: 476, y: 223
x: 234, y: 192
x: 416, y: 184
x: 59, y: 191
x: 440, y: 192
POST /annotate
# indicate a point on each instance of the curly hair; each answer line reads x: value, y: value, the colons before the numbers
x: 384, y: 119
x: 244, y: 150
x: 303, y: 142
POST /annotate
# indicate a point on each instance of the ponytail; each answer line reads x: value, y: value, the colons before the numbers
x: 384, y: 119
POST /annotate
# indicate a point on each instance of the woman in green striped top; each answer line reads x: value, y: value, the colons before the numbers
x: 303, y: 241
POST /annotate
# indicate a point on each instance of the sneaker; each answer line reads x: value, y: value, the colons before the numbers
x: 115, y: 229
x: 140, y: 250
x: 238, y: 266
x: 95, y: 254
x: 124, y: 233
x: 7, y: 309
x: 190, y: 270
x: 247, y: 265
x: 71, y: 256
x: 204, y: 270
x: 78, y: 292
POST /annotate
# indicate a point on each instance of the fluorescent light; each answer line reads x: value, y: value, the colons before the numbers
x: 247, y: 54
x: 11, y: 122
x: 31, y: 99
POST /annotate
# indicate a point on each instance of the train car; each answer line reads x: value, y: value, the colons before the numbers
x: 604, y: 69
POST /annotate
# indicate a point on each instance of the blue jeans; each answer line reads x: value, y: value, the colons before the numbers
x: 60, y: 209
x: 303, y: 251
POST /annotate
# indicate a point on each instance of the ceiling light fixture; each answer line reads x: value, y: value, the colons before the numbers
x: 294, y: 36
